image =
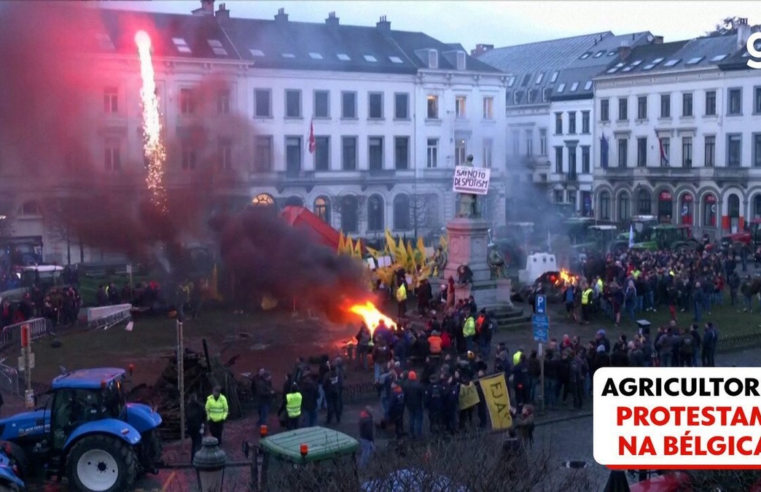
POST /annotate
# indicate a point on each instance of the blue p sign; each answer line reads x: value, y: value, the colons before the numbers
x: 541, y: 304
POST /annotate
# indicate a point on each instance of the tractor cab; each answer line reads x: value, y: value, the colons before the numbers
x: 306, y: 459
x: 87, y: 432
x: 642, y: 226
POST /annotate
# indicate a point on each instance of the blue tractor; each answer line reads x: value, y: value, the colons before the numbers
x: 87, y: 432
x: 9, y: 480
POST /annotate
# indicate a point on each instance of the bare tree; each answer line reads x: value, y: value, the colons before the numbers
x: 425, y: 213
x: 728, y: 25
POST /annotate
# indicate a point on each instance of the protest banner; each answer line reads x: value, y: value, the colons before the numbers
x: 497, y: 401
x: 468, y: 396
x: 471, y: 180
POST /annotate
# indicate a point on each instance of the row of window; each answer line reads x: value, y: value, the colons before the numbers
x: 321, y: 107
x: 585, y: 129
x: 734, y: 105
x: 405, y: 210
x: 294, y: 153
x: 665, y: 207
x: 528, y: 148
x: 586, y: 166
x: 733, y: 151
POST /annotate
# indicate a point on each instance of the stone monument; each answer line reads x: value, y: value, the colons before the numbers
x: 468, y: 255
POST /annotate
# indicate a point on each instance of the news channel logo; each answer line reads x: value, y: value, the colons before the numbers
x: 754, y: 52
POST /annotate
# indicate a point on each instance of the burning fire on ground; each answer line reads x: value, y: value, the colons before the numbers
x: 564, y: 277
x: 371, y: 315
x: 153, y: 147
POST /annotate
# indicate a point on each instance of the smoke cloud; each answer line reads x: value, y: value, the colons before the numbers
x: 270, y: 257
x: 52, y: 132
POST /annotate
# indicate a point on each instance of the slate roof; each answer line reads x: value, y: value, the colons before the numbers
x: 651, y: 55
x: 580, y: 72
x: 530, y: 63
x: 739, y: 60
x: 681, y: 55
x: 306, y: 46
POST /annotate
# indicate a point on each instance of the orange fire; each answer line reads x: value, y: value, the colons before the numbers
x: 153, y: 147
x: 566, y: 278
x: 371, y: 315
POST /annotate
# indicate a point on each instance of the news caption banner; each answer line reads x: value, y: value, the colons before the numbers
x: 472, y: 180
x: 677, y: 418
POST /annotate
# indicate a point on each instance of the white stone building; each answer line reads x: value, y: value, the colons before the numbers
x: 697, y: 102
x: 393, y: 112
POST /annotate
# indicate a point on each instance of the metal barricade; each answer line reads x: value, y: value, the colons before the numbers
x: 9, y: 380
x: 107, y: 316
x: 12, y: 333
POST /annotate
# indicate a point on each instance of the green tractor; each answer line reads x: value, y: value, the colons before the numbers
x: 641, y: 225
x: 669, y: 237
x: 605, y: 239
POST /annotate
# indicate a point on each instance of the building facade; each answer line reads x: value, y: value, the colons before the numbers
x: 361, y: 125
x: 680, y: 132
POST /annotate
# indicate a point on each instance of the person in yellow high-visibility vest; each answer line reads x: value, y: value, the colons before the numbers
x: 401, y: 299
x: 469, y: 331
x: 217, y: 410
x: 293, y: 407
x: 586, y: 303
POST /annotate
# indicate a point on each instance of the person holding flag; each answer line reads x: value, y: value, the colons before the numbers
x: 664, y: 158
x: 312, y: 142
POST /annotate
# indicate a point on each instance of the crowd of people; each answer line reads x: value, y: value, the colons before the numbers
x: 60, y: 306
x: 685, y: 283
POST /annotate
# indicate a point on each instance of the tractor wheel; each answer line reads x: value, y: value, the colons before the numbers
x: 19, y: 459
x: 101, y: 463
x: 152, y: 450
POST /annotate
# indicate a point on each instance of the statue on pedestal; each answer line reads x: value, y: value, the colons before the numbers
x: 496, y: 263
x: 468, y: 202
x: 439, y: 262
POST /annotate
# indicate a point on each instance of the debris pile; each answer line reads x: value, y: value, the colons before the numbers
x: 200, y: 377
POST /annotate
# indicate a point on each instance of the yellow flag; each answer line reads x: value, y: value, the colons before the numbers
x: 373, y: 252
x: 497, y: 401
x: 468, y: 396
x: 349, y: 245
x: 341, y: 241
x: 401, y: 251
x: 358, y: 250
x: 390, y: 246
x: 411, y: 257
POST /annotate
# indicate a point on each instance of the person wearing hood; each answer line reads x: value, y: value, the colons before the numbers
x: 366, y: 436
x: 603, y: 341
x: 309, y: 394
x: 396, y: 409
x: 414, y: 396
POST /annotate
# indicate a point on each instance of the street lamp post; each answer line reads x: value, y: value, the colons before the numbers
x: 210, y: 462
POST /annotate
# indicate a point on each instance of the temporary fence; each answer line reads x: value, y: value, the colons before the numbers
x: 107, y: 316
x: 12, y: 333
x: 9, y: 380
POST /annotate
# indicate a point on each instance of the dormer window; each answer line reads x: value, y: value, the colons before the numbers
x: 315, y: 56
x: 370, y: 58
x: 343, y: 57
x: 395, y: 59
x: 461, y: 60
x: 511, y: 82
x: 181, y: 45
x: 433, y: 59
x: 217, y: 48
x: 554, y: 77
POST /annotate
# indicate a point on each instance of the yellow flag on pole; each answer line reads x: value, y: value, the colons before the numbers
x: 497, y: 399
x: 341, y: 241
x: 468, y: 396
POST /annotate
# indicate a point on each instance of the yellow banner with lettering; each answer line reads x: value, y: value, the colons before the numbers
x: 468, y: 396
x: 497, y: 399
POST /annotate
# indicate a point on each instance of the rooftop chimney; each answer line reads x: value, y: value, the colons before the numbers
x: 481, y: 49
x: 743, y: 32
x: 624, y: 51
x: 332, y: 20
x: 222, y: 12
x: 383, y: 25
x: 281, y: 16
x: 658, y: 40
x: 207, y: 8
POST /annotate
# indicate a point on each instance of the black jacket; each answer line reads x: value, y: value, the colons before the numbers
x: 195, y: 416
x: 309, y: 395
x: 413, y: 395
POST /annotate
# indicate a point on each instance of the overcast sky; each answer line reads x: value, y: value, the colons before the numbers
x: 496, y: 22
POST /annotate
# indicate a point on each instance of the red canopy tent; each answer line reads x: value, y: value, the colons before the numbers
x: 301, y: 217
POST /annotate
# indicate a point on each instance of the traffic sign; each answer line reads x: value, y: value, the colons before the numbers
x: 541, y: 304
x: 541, y: 326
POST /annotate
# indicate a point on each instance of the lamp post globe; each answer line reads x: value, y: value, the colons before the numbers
x: 210, y: 462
